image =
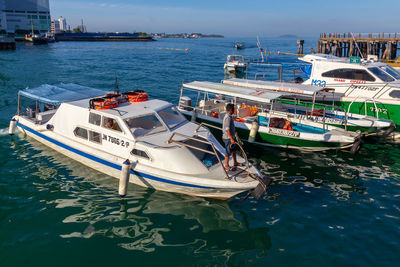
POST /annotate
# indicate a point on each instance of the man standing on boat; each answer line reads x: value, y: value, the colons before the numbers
x: 228, y: 136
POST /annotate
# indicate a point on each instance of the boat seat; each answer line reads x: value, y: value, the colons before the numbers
x: 45, y: 115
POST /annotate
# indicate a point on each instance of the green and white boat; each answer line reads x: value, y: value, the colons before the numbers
x: 258, y: 122
x: 360, y: 85
x: 302, y: 104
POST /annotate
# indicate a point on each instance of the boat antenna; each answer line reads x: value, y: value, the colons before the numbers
x: 116, y: 85
x: 359, y: 51
x: 261, y: 49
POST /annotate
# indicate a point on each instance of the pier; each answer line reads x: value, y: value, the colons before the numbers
x: 382, y: 45
x: 7, y: 43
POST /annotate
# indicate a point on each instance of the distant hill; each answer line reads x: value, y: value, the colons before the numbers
x: 288, y: 36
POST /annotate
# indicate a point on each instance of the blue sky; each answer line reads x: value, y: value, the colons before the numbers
x: 234, y: 18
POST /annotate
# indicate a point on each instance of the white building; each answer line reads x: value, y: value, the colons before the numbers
x: 63, y: 24
x: 20, y: 16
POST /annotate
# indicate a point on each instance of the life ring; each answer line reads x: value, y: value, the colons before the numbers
x: 137, y: 96
x: 214, y: 114
x: 288, y: 126
x: 238, y: 119
x: 102, y: 103
x: 120, y: 98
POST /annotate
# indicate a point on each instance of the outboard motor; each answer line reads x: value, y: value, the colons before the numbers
x: 186, y: 103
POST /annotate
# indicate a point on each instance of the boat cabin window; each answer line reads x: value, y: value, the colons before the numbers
x: 94, y: 119
x: 81, y: 132
x: 145, y: 125
x: 171, y: 117
x: 381, y: 74
x: 95, y: 137
x: 349, y: 74
x: 395, y: 94
x: 140, y: 153
x: 112, y: 124
x: 391, y: 71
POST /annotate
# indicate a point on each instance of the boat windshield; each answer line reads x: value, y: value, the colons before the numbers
x: 145, y: 125
x: 171, y: 117
x: 391, y: 71
x: 381, y: 74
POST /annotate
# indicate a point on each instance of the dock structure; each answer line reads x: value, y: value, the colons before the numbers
x: 382, y: 45
x: 7, y: 43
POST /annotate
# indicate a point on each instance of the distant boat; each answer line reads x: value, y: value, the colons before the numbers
x: 35, y: 39
x: 239, y: 45
x: 235, y: 64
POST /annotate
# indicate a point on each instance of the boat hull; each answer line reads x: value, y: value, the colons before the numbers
x: 277, y: 140
x: 150, y: 180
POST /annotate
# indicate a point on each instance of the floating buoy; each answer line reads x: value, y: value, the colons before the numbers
x: 253, y: 132
x: 187, y: 49
x: 124, y: 179
x: 13, y: 126
x: 279, y: 52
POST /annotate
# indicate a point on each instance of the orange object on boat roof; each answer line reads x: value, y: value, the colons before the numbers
x: 137, y: 96
x: 102, y: 103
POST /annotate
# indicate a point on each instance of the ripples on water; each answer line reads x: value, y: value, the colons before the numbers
x: 324, y: 208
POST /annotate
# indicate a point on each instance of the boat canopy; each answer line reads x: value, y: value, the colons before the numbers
x: 235, y: 91
x: 56, y: 94
x: 293, y: 88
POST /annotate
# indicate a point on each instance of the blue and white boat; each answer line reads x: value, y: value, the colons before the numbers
x: 148, y: 143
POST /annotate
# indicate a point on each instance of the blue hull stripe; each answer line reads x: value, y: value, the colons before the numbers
x: 110, y: 164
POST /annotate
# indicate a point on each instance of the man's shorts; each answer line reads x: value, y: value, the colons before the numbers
x: 228, y: 148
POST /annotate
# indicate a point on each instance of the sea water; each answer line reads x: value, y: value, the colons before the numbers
x: 322, y: 209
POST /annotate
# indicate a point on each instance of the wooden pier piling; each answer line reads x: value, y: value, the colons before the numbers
x: 382, y: 45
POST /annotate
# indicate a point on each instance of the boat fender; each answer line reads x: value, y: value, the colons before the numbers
x: 356, y: 146
x: 194, y: 116
x: 13, y: 126
x: 253, y: 131
x: 390, y: 130
x: 124, y: 179
x: 50, y: 127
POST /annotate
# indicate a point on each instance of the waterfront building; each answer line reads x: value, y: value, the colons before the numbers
x: 63, y: 24
x: 19, y: 16
x: 55, y: 26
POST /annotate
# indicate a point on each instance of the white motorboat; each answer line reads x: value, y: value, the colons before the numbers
x: 297, y: 104
x: 260, y: 120
x: 127, y: 136
x: 235, y: 63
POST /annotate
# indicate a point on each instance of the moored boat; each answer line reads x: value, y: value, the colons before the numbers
x: 258, y: 120
x: 302, y: 104
x: 138, y: 140
x: 235, y: 63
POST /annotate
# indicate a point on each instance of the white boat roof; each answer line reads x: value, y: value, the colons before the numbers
x: 293, y: 88
x: 127, y: 110
x: 314, y: 57
x: 60, y: 93
x: 235, y: 91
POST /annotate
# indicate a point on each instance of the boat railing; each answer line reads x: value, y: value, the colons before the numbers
x: 325, y: 108
x: 214, y: 152
x: 239, y: 142
x: 366, y: 101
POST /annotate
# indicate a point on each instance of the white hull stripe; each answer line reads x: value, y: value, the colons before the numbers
x: 113, y: 165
